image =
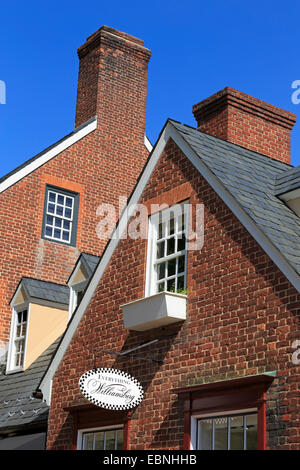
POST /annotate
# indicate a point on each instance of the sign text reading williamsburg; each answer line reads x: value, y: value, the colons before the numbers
x: 151, y: 459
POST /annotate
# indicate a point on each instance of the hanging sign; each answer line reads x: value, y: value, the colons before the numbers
x: 111, y: 389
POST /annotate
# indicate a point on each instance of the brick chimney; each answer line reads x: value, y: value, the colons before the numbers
x: 246, y: 121
x: 112, y: 84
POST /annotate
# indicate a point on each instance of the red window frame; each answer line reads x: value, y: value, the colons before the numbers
x: 226, y: 396
x: 91, y: 417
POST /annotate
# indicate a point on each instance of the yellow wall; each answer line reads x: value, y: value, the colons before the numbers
x: 45, y: 325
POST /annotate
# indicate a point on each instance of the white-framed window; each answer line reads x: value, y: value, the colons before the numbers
x: 76, y: 294
x: 18, y: 338
x: 225, y: 431
x: 167, y: 250
x: 108, y: 438
x: 60, y: 215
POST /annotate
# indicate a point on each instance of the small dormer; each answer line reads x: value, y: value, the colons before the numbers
x: 287, y: 188
x: 79, y: 279
x: 39, y: 317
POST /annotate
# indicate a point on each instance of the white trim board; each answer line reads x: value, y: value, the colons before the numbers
x: 148, y: 144
x: 48, y: 155
x: 169, y: 131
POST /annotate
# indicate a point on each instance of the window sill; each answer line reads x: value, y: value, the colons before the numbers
x: 154, y: 311
x: 14, y: 371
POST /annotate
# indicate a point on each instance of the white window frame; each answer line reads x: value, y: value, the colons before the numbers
x: 102, y: 428
x: 151, y: 275
x: 74, y: 290
x: 12, y: 347
x: 194, y: 421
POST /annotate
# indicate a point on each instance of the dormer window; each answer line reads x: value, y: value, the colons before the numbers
x: 20, y: 338
x: 60, y: 215
x: 79, y: 279
x: 39, y: 317
x: 19, y: 327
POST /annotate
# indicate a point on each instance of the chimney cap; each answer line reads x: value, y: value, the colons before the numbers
x: 94, y: 39
x: 231, y: 97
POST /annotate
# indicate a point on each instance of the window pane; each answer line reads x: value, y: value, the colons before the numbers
x: 52, y: 197
x: 69, y: 202
x: 51, y: 208
x: 49, y: 220
x: 160, y: 250
x: 220, y: 433
x: 49, y: 231
x: 161, y: 229
x: 171, y: 246
x: 60, y: 199
x: 161, y: 287
x: 181, y: 222
x: 110, y: 440
x: 171, y: 226
x: 161, y: 270
x: 57, y: 233
x: 88, y: 440
x: 171, y: 285
x: 59, y: 210
x: 172, y: 267
x: 205, y: 434
x: 181, y: 262
x: 68, y: 213
x: 66, y: 236
x: 251, y: 429
x: 58, y: 222
x: 120, y: 439
x: 180, y: 284
x: 23, y: 329
x: 99, y: 441
x: 181, y: 243
x: 67, y: 225
x: 236, y: 433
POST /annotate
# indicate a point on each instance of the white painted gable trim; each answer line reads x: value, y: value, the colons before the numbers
x: 44, y: 158
x: 148, y: 144
x: 168, y: 132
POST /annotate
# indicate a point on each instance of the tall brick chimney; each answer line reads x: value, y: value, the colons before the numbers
x: 112, y: 84
x: 243, y: 120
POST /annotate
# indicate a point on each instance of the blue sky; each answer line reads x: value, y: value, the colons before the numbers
x: 198, y: 48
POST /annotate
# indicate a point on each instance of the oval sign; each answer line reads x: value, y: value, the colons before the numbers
x: 111, y: 389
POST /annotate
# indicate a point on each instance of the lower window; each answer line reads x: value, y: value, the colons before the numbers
x: 227, y: 432
x: 106, y: 439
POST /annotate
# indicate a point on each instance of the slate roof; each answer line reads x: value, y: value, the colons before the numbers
x: 288, y: 181
x: 91, y: 261
x: 252, y: 178
x: 17, y: 406
x: 43, y: 290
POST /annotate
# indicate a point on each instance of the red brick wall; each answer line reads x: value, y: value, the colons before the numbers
x: 244, y: 120
x: 242, y: 318
x: 101, y: 167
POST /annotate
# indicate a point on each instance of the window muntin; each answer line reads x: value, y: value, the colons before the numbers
x: 60, y: 215
x: 20, y: 338
x: 227, y: 432
x: 169, y: 255
x: 108, y: 439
